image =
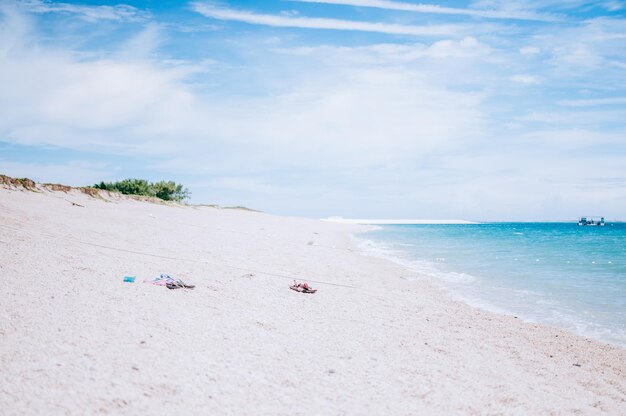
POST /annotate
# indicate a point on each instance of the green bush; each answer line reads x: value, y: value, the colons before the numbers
x: 166, y: 190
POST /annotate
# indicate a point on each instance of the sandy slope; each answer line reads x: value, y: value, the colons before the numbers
x: 75, y: 339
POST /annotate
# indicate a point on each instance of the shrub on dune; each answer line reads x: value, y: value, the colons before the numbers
x: 165, y: 190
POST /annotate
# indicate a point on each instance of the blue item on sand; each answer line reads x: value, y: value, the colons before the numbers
x: 129, y: 279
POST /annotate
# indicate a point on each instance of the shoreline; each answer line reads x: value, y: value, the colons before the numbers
x: 454, y: 291
x: 368, y: 342
x: 381, y: 221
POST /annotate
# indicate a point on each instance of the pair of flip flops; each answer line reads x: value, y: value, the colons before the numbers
x: 178, y: 284
x: 169, y: 282
x: 302, y: 287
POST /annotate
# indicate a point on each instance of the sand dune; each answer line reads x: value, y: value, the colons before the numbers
x: 76, y: 339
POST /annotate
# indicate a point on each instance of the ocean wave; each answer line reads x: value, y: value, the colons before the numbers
x: 388, y: 252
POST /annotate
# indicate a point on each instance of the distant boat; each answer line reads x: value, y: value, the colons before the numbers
x: 596, y: 221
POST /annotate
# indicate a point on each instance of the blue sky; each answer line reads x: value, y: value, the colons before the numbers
x: 484, y: 110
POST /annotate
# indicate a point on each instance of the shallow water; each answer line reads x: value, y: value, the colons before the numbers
x: 561, y: 274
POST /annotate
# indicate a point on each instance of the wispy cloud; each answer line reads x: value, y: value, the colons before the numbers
x: 436, y: 9
x: 220, y: 13
x: 524, y: 79
x: 614, y: 5
x: 594, y: 102
x: 466, y: 49
x: 328, y: 116
x: 75, y: 172
x: 245, y: 184
x: 120, y: 12
x: 529, y: 50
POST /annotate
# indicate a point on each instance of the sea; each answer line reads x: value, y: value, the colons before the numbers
x: 562, y: 274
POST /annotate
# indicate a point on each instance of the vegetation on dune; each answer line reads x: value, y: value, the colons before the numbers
x: 18, y: 182
x: 165, y: 190
x: 57, y: 187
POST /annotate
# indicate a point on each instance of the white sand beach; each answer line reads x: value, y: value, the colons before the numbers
x: 76, y: 339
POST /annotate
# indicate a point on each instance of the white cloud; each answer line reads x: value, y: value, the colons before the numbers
x: 524, y: 79
x: 242, y: 184
x: 119, y: 12
x: 590, y: 118
x: 528, y: 5
x: 143, y: 45
x: 573, y: 138
x: 529, y: 50
x: 613, y: 6
x: 221, y: 13
x: 53, y: 97
x: 577, y: 56
x: 436, y: 9
x: 73, y: 173
x: 589, y: 102
x: 468, y: 48
x: 353, y: 115
x: 594, y: 45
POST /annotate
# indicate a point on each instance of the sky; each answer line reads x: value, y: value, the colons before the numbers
x: 478, y: 110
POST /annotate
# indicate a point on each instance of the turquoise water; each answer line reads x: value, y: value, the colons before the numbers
x: 556, y: 273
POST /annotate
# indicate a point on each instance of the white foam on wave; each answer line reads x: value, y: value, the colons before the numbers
x: 459, y: 286
x: 386, y: 251
x: 386, y: 221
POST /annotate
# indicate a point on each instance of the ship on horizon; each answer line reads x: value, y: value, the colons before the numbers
x: 595, y: 221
